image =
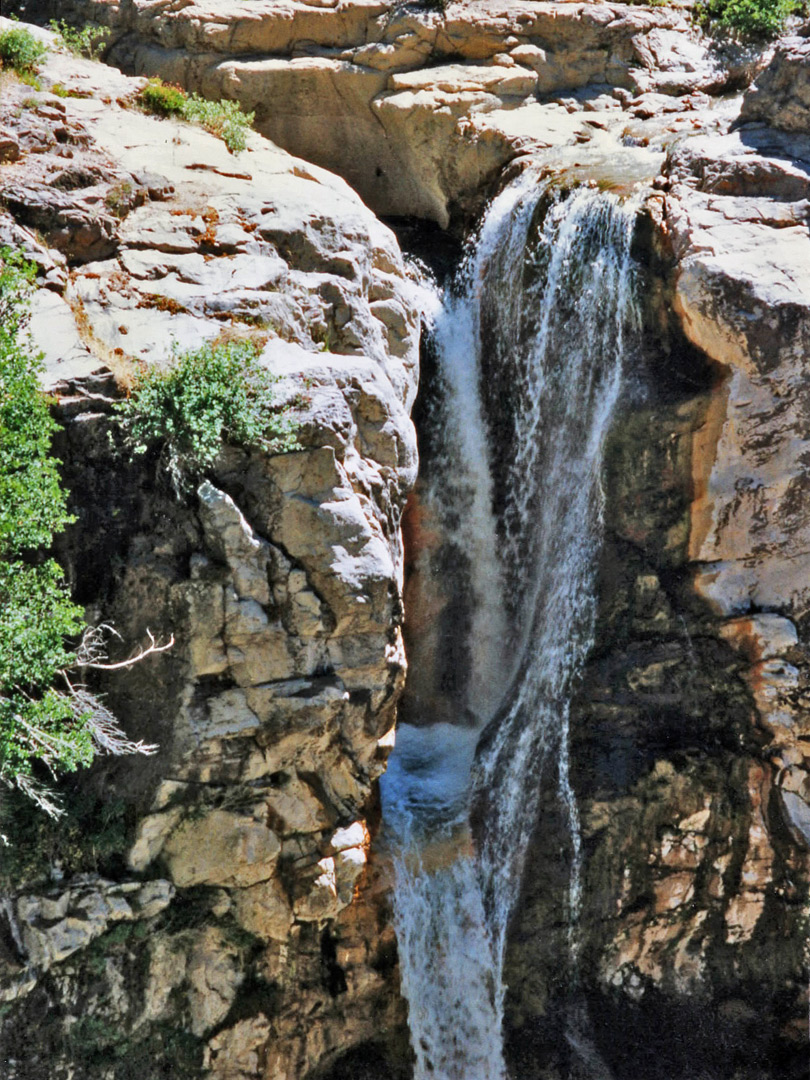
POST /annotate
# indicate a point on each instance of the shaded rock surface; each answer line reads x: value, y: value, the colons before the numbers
x: 689, y: 729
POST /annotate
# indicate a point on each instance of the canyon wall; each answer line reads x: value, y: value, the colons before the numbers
x: 418, y: 109
x: 690, y: 732
x: 238, y: 929
x: 206, y: 934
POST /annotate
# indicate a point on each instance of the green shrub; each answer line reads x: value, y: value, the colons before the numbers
x: 20, y: 50
x: 32, y: 503
x: 211, y: 395
x: 48, y: 725
x: 162, y: 98
x: 224, y: 119
x: 86, y: 41
x: 37, y: 722
x: 748, y: 20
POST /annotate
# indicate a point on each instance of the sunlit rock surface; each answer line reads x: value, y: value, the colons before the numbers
x: 781, y: 96
x: 274, y: 955
x: 279, y: 578
x: 418, y: 109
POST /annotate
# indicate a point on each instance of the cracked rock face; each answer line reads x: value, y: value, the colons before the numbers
x: 689, y: 730
x: 268, y: 951
x: 781, y: 96
x: 279, y: 578
x: 418, y: 110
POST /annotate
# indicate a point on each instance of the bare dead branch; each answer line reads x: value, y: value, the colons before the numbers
x: 92, y: 652
x: 93, y: 646
x: 105, y: 731
x: 41, y: 795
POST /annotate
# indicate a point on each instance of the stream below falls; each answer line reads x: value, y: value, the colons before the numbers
x: 531, y: 342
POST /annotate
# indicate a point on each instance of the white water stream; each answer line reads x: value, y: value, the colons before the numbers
x: 542, y: 316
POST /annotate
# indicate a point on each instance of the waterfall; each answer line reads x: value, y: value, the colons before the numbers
x: 531, y: 345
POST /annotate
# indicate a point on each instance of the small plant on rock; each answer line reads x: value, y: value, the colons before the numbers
x: 162, y: 98
x: 747, y: 20
x: 118, y: 199
x: 206, y: 397
x: 224, y: 119
x: 89, y: 41
x: 20, y: 50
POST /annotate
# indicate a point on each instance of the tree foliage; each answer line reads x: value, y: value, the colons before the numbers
x: 48, y: 723
x: 748, y: 20
x: 207, y: 396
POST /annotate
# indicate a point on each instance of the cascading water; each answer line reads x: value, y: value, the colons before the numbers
x: 539, y: 326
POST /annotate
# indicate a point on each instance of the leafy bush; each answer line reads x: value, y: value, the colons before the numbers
x: 20, y: 50
x: 224, y: 119
x: 37, y: 723
x: 162, y: 98
x: 32, y: 503
x: 45, y: 720
x: 748, y: 20
x: 86, y: 41
x: 210, y: 395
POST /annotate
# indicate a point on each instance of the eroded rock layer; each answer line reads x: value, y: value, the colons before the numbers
x: 690, y: 729
x: 418, y: 109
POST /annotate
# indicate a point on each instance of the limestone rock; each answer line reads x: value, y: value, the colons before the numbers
x: 761, y: 637
x: 56, y: 926
x: 700, y: 643
x: 9, y: 147
x: 214, y: 975
x: 234, y: 1054
x: 221, y: 848
x: 264, y: 910
x: 279, y: 578
x: 418, y: 110
x: 742, y: 284
x: 781, y: 94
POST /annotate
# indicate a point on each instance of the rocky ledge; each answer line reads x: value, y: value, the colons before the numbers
x: 419, y: 110
x: 248, y: 834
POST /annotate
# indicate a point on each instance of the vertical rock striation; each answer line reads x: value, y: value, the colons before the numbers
x: 689, y: 752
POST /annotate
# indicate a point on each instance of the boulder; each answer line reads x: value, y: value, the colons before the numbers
x: 781, y: 94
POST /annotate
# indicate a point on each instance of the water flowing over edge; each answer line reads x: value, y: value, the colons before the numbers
x: 551, y: 313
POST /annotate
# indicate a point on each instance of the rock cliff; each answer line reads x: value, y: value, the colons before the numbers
x: 247, y: 835
x: 690, y: 730
x: 418, y: 109
x: 238, y: 929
